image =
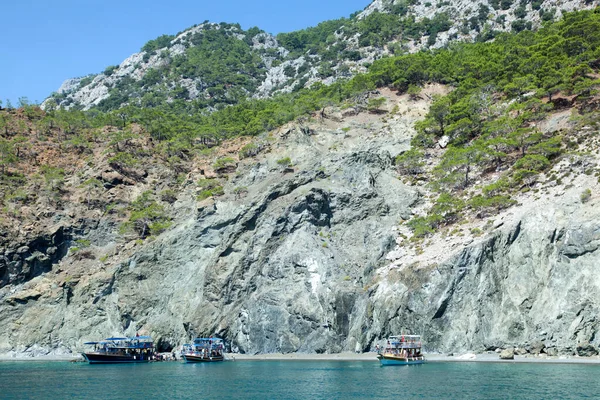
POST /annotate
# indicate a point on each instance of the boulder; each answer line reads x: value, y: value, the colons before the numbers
x: 350, y: 112
x: 443, y: 142
x: 552, y: 351
x: 507, y: 354
x: 23, y: 250
x: 520, y: 351
x: 112, y: 178
x: 537, y: 347
x: 586, y: 349
x: 24, y: 296
x: 332, y: 113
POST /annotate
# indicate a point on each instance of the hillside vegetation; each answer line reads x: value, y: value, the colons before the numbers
x: 488, y: 122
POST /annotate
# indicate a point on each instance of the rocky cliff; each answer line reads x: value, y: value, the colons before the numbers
x: 306, y: 252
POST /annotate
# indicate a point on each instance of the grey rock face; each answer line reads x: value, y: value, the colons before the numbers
x: 302, y: 263
x: 284, y: 270
x: 512, y: 288
x: 28, y: 261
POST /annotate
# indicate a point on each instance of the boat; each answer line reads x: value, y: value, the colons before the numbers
x: 402, y: 350
x: 138, y: 349
x: 203, y: 350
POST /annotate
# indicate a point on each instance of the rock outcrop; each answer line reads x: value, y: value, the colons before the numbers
x: 311, y: 259
x: 528, y: 283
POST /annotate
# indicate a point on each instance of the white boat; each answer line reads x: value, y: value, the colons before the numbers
x: 402, y: 350
x: 203, y: 350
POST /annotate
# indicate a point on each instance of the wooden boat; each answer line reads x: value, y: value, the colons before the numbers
x: 139, y: 349
x: 402, y: 350
x: 203, y: 350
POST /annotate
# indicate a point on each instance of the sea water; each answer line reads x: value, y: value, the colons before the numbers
x: 297, y: 380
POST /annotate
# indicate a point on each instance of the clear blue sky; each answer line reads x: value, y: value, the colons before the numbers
x: 45, y: 42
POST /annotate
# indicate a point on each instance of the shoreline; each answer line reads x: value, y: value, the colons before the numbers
x: 348, y: 356
x: 431, y: 357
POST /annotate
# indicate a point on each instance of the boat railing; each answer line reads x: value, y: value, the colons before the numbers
x: 405, y: 345
x: 122, y: 344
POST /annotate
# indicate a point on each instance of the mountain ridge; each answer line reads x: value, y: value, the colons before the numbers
x: 148, y: 78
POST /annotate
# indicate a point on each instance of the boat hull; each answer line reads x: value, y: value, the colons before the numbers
x: 387, y: 360
x: 190, y: 358
x: 95, y: 358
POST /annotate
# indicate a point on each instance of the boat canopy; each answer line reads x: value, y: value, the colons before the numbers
x: 404, y: 342
x: 137, y: 342
x: 397, y: 337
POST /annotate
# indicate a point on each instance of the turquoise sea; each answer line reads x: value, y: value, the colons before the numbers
x: 297, y: 380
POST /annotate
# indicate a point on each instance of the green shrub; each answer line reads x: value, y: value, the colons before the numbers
x: 54, y: 177
x: 422, y: 226
x: 158, y: 43
x: 447, y: 209
x: 110, y: 70
x: 123, y: 160
x: 374, y: 104
x: 225, y: 164
x: 532, y: 162
x: 18, y: 196
x: 86, y: 81
x: 249, y: 150
x: 213, y: 192
x: 208, y: 183
x: 586, y: 195
x: 209, y: 188
x: 284, y: 162
x: 411, y: 162
x: 523, y: 175
x: 496, y: 188
x: 83, y: 243
x: 147, y: 217
x: 549, y: 148
x: 484, y: 205
x: 413, y: 91
x: 476, y: 232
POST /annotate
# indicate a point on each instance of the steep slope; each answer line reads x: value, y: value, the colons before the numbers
x: 213, y: 65
x: 276, y: 268
x: 304, y: 253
